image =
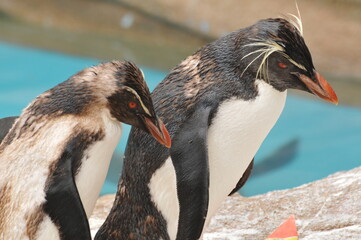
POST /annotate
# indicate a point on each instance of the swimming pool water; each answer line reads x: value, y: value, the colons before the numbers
x: 311, y: 140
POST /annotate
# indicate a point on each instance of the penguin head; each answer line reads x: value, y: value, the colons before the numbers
x: 275, y: 51
x: 128, y: 98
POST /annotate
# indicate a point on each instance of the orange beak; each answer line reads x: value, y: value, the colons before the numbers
x: 320, y: 88
x: 158, y: 131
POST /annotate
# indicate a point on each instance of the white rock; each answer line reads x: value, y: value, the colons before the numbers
x: 326, y: 209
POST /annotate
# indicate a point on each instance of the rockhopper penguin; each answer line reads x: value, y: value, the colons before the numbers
x: 219, y: 105
x: 54, y: 159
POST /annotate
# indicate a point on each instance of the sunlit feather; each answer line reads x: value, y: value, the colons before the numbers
x: 267, y: 48
x: 297, y: 20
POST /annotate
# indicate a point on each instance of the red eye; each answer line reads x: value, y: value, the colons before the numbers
x: 282, y: 65
x: 132, y: 104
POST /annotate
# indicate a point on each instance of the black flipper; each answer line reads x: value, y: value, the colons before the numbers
x: 190, y: 158
x: 5, y: 125
x: 63, y: 203
x: 244, y: 178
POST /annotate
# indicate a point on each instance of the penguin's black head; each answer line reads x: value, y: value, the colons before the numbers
x: 275, y: 51
x: 131, y: 102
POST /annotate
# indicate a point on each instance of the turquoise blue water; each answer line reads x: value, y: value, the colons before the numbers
x: 311, y: 140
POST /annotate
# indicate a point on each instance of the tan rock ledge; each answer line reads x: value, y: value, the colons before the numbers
x: 326, y: 209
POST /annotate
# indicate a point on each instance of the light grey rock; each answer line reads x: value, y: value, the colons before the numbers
x: 326, y: 209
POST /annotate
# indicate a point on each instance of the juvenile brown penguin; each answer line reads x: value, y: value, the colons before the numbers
x: 219, y: 105
x: 55, y: 157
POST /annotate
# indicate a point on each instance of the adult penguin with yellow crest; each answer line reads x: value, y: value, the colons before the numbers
x: 219, y: 105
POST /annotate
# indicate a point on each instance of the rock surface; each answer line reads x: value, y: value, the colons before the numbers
x: 326, y: 209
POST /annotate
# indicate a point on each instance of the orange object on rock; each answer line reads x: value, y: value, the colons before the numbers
x: 287, y: 231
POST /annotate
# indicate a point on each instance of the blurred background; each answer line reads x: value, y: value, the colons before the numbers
x: 43, y: 42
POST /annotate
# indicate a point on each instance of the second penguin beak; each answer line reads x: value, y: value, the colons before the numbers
x: 158, y: 130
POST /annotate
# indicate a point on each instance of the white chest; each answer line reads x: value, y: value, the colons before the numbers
x: 236, y: 133
x: 95, y: 166
x: 90, y: 178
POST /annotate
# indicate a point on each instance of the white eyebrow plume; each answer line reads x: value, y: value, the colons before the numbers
x: 131, y: 90
x: 266, y: 49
